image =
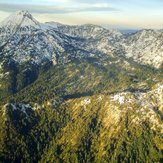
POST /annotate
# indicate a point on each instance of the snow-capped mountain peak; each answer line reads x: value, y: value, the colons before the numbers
x: 23, y: 39
x: 19, y: 19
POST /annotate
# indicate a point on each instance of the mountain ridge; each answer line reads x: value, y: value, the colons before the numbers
x: 94, y: 39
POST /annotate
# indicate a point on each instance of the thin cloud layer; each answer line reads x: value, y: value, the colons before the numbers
x: 54, y: 9
x: 126, y: 13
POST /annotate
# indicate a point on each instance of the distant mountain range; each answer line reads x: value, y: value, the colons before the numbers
x: 25, y: 39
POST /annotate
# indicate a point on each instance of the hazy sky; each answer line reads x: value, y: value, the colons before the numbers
x: 112, y: 13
